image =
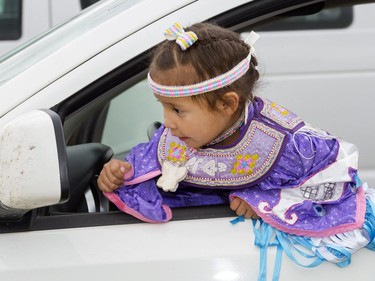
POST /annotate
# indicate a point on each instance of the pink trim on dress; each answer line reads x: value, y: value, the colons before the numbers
x: 142, y: 178
x: 360, y: 219
x: 125, y: 208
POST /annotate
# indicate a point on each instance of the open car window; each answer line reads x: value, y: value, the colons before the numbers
x: 129, y: 116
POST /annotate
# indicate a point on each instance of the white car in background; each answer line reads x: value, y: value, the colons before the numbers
x: 21, y: 20
x: 77, y: 96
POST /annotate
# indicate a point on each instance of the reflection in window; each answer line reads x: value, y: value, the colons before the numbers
x: 10, y: 19
x: 326, y: 19
x: 86, y: 3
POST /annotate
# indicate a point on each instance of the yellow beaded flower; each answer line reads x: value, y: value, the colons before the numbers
x: 283, y: 111
x: 177, y: 153
x: 244, y: 164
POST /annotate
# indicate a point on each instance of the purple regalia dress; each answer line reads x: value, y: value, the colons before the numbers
x: 298, y: 179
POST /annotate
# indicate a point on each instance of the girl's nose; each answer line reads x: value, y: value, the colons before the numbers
x: 168, y: 120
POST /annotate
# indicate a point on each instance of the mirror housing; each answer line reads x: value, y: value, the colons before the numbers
x: 33, y: 164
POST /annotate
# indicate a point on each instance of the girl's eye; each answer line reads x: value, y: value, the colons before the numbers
x: 176, y: 110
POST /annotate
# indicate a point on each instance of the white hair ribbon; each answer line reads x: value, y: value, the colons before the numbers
x: 250, y: 40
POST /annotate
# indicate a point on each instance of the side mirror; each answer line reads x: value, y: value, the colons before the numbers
x: 33, y: 164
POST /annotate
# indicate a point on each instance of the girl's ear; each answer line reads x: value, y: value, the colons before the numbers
x: 229, y: 103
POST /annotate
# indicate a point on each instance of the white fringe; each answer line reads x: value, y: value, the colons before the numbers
x: 352, y: 241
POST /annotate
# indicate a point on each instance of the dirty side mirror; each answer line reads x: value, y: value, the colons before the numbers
x: 33, y: 164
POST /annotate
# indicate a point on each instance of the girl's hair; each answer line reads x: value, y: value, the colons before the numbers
x: 216, y: 51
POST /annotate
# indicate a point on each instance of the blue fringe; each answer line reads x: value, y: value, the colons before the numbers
x: 369, y: 225
x: 266, y: 236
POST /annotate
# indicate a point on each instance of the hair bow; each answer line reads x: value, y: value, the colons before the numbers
x: 183, y: 39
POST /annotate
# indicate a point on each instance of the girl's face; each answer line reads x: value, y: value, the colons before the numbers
x: 193, y: 122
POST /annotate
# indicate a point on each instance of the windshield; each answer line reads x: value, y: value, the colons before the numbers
x: 21, y: 58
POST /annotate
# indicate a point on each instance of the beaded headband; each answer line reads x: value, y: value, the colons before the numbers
x: 218, y: 82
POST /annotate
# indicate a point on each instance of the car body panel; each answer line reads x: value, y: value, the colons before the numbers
x: 180, y: 250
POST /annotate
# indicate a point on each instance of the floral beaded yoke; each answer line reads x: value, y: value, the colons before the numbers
x: 297, y: 178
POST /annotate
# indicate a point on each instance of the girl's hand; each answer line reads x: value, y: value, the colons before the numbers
x: 112, y: 175
x: 243, y: 209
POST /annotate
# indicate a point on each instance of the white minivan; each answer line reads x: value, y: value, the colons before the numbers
x: 77, y: 96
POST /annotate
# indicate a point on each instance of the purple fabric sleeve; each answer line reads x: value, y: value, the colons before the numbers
x: 303, y: 157
x: 142, y: 201
x: 143, y: 157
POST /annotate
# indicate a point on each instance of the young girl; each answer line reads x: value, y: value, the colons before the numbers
x: 220, y: 144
